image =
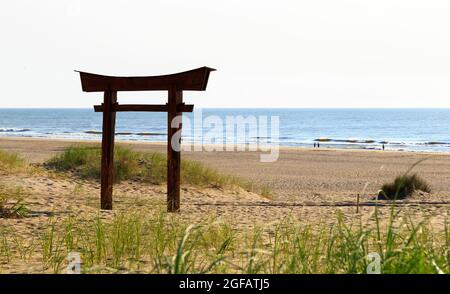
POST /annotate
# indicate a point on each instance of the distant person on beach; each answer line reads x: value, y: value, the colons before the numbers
x: 314, y: 144
x: 383, y: 147
x: 318, y: 144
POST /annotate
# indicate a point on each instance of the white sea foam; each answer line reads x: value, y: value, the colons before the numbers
x: 13, y: 130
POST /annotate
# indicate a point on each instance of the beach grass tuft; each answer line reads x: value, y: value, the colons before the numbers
x: 403, y: 186
x: 11, y: 161
x: 84, y: 161
x: 11, y: 203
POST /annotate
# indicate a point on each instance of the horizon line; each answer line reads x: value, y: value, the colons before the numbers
x: 240, y: 107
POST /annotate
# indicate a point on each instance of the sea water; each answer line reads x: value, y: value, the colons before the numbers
x: 397, y: 129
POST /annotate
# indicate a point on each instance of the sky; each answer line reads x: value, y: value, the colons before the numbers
x: 283, y: 53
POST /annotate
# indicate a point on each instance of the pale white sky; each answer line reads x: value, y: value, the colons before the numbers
x: 321, y: 53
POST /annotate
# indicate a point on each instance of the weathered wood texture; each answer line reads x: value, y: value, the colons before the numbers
x: 173, y: 151
x: 107, y: 165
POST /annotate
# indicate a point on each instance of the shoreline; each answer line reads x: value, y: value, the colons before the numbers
x: 163, y: 143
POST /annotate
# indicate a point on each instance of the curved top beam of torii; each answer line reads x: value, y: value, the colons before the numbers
x: 192, y: 80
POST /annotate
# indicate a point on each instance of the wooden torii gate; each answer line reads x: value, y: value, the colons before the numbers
x: 175, y: 84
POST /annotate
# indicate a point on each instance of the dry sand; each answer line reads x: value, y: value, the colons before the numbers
x: 300, y: 174
x: 319, y: 178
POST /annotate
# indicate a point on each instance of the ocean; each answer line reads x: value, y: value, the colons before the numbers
x: 397, y: 129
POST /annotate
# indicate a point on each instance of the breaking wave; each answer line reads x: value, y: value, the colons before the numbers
x: 13, y: 130
x: 127, y: 133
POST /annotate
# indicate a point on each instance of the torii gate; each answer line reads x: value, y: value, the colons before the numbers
x: 175, y: 84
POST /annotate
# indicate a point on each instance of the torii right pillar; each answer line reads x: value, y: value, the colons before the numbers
x: 173, y: 150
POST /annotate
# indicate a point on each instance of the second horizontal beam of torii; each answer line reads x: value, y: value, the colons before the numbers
x: 116, y: 107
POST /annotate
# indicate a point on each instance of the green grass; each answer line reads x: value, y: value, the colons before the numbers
x: 11, y: 162
x: 160, y: 243
x: 11, y: 203
x: 85, y: 161
x: 403, y: 186
x: 11, y: 198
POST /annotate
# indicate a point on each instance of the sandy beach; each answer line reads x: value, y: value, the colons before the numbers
x: 299, y: 174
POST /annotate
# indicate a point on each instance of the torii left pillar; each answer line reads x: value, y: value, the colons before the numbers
x: 107, y: 164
